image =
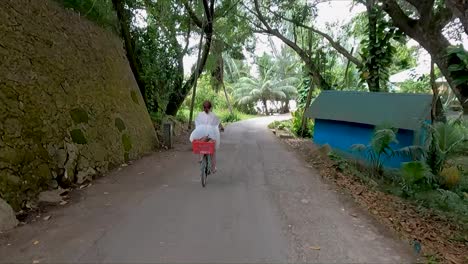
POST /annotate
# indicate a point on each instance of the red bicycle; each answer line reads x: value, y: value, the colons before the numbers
x: 206, y: 148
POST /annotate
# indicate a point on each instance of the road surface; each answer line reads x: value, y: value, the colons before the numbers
x: 263, y: 206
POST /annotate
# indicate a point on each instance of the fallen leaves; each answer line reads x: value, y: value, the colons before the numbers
x: 435, y: 232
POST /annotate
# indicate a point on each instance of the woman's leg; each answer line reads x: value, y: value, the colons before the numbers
x: 213, y: 162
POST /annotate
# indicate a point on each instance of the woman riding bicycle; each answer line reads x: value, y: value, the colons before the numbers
x: 207, y: 126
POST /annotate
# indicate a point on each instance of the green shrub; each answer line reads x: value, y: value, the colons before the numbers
x: 444, y: 200
x: 297, y: 125
x: 157, y: 117
x: 379, y: 148
x: 183, y: 115
x: 274, y: 124
x: 416, y: 177
x: 281, y: 125
x: 229, y: 118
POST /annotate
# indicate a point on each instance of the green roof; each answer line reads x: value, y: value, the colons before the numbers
x: 399, y: 110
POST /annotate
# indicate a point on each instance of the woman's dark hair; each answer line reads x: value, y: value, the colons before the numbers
x: 207, y: 106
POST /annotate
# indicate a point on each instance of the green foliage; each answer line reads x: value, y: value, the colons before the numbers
x: 183, y: 115
x: 382, y: 48
x: 443, y: 141
x: 99, y: 11
x: 404, y: 57
x: 281, y: 125
x: 458, y: 60
x: 226, y: 117
x: 444, y: 200
x: 267, y: 88
x: 423, y: 85
x: 234, y: 117
x: 205, y: 92
x: 379, y: 148
x: 273, y: 124
x: 416, y: 176
x: 296, y: 125
x: 432, y: 171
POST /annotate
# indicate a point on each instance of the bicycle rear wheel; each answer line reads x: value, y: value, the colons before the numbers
x: 204, y: 170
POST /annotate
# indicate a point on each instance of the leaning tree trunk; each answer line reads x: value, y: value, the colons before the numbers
x: 265, y: 104
x: 227, y: 100
x: 428, y: 33
x: 124, y: 22
x: 177, y: 97
x: 192, y: 104
x: 308, y: 100
x: 437, y: 111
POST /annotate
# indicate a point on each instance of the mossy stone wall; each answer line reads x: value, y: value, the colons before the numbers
x: 69, y: 104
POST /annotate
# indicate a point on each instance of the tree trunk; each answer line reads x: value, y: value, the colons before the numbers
x: 437, y: 111
x: 286, y: 107
x: 192, y: 104
x: 314, y: 70
x: 460, y: 9
x: 124, y: 22
x: 307, y: 105
x: 428, y: 33
x: 177, y: 97
x: 227, y: 99
x: 373, y: 81
x: 265, y: 104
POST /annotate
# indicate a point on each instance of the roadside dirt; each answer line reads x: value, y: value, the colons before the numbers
x: 436, y: 234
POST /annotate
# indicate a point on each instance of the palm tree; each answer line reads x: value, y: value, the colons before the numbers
x: 264, y: 88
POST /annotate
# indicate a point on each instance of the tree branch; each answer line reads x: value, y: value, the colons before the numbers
x: 192, y: 15
x: 399, y: 18
x: 337, y: 46
x: 460, y: 9
x: 187, y: 39
x: 424, y: 7
x: 320, y: 81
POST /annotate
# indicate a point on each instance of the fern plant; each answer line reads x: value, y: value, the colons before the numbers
x: 379, y: 148
x: 442, y: 142
x: 416, y: 176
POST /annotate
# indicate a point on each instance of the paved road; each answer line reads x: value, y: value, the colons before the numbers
x: 263, y: 206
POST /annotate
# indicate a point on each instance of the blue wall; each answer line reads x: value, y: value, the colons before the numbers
x: 342, y: 135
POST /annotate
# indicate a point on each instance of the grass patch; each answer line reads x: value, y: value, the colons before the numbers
x: 281, y: 125
x: 226, y: 117
x: 184, y: 113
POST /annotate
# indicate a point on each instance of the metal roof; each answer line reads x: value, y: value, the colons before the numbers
x: 399, y: 110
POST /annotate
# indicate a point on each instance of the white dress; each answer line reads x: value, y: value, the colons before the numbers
x: 206, y: 125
